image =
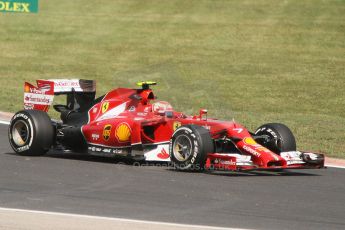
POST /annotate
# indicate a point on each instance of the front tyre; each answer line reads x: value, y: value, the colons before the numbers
x: 279, y: 137
x: 189, y: 147
x: 31, y: 133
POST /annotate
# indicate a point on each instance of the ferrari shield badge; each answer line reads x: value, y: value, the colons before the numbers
x: 176, y: 125
x: 105, y: 106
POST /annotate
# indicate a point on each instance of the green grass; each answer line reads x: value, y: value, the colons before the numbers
x: 255, y: 61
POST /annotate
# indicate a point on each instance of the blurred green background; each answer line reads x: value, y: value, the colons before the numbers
x: 255, y: 61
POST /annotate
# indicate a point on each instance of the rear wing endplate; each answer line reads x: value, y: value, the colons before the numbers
x: 41, y: 97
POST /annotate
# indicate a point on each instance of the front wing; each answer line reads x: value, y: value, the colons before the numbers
x: 238, y: 162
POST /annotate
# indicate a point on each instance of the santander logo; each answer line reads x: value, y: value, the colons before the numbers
x: 163, y: 154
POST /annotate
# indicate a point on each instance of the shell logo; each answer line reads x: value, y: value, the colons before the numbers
x: 249, y: 141
x: 123, y: 132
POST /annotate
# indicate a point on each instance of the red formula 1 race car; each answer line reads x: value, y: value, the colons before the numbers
x: 131, y: 123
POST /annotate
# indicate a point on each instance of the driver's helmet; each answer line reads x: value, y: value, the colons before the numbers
x: 161, y: 107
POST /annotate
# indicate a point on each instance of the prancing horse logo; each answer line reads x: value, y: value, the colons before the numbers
x: 105, y: 106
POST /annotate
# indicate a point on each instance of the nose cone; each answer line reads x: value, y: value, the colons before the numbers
x: 261, y: 156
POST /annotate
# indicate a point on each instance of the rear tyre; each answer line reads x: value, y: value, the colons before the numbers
x: 189, y: 147
x: 279, y: 137
x: 31, y: 133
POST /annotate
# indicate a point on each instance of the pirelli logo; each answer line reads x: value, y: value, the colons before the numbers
x: 19, y: 6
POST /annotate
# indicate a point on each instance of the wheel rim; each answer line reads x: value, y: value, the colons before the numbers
x: 182, y: 148
x: 20, y: 133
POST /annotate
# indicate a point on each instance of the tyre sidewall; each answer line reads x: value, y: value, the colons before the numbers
x: 40, y: 133
x: 195, y: 162
x: 24, y: 117
x: 280, y: 133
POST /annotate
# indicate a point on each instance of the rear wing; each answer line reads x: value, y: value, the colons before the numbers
x: 41, y: 97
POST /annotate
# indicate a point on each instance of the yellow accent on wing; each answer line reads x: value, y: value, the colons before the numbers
x: 249, y: 141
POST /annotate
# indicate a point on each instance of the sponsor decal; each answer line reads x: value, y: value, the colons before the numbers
x: 123, y: 132
x: 252, y: 151
x: 106, y: 132
x: 105, y: 106
x: 272, y: 133
x: 132, y: 108
x: 261, y: 148
x: 267, y: 130
x: 28, y: 88
x: 28, y: 106
x: 23, y: 148
x: 45, y: 88
x: 95, y: 149
x: 95, y: 110
x: 160, y: 153
x: 176, y: 124
x: 250, y: 141
x: 142, y: 114
x: 38, y: 99
x: 19, y: 6
x: 163, y: 154
x: 255, y: 147
x: 231, y: 162
x: 70, y: 85
x: 36, y: 91
x: 224, y: 162
x: 108, y: 151
x: 238, y: 130
x: 66, y: 83
x: 118, y: 151
x: 195, y: 153
x: 20, y: 115
x: 95, y: 136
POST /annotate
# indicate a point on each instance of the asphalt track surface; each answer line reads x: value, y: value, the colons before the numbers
x: 72, y: 183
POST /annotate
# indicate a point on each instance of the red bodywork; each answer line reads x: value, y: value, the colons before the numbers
x: 122, y: 117
x: 128, y: 122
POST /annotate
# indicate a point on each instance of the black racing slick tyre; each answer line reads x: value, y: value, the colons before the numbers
x: 279, y: 137
x: 31, y: 133
x: 189, y: 147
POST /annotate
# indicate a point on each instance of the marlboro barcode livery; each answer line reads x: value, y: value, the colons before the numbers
x: 133, y: 123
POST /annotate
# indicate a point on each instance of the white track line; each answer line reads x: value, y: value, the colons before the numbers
x: 331, y: 166
x: 120, y: 219
x: 335, y: 166
x: 4, y: 122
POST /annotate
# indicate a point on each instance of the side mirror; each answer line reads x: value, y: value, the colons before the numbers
x: 203, y: 113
